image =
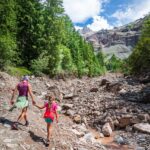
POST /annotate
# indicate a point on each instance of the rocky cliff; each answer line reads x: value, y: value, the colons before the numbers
x: 118, y: 41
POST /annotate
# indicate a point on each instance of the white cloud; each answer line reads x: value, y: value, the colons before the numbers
x: 81, y: 10
x: 99, y: 23
x: 134, y: 11
x: 78, y: 27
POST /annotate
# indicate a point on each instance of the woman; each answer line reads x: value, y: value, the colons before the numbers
x: 23, y: 88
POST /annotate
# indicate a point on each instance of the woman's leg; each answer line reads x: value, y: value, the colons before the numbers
x: 23, y: 115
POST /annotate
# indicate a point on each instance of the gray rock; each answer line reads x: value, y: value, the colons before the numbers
x: 69, y: 96
x: 122, y: 91
x: 101, y: 135
x: 77, y: 119
x: 119, y: 140
x: 139, y: 148
x: 125, y: 121
x: 128, y: 128
x: 77, y: 133
x: 89, y: 138
x: 144, y: 117
x: 12, y: 146
x: 142, y: 127
x: 106, y: 130
x: 7, y: 125
x: 7, y: 140
x: 67, y: 106
x: 70, y: 113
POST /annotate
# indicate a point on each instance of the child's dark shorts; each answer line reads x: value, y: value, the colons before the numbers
x: 48, y: 120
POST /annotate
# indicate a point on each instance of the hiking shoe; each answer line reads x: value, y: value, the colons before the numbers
x: 14, y: 126
x: 27, y: 123
x: 47, y: 143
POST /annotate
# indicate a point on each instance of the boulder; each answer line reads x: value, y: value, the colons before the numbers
x: 106, y: 130
x: 124, y: 121
x: 99, y: 135
x: 69, y: 96
x: 77, y: 133
x: 81, y: 128
x: 104, y: 82
x: 70, y: 113
x: 89, y: 138
x: 144, y: 117
x: 122, y: 91
x: 113, y: 87
x: 120, y: 140
x: 67, y: 106
x: 116, y: 123
x: 135, y: 120
x: 145, y: 80
x: 146, y: 98
x: 142, y: 127
x: 77, y: 119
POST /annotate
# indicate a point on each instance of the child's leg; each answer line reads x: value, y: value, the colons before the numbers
x: 49, y: 127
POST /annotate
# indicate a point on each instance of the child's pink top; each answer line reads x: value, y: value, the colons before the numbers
x: 53, y: 107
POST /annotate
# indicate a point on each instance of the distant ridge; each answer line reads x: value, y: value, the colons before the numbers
x: 119, y: 41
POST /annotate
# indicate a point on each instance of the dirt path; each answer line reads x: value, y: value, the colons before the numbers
x: 33, y: 137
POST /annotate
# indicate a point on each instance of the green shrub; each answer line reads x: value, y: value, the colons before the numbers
x: 38, y: 66
x: 17, y: 71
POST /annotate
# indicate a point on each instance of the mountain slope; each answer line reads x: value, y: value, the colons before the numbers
x: 119, y: 40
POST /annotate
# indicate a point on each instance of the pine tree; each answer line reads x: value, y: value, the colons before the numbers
x: 30, y: 30
x: 53, y: 12
x: 7, y: 32
x: 139, y: 61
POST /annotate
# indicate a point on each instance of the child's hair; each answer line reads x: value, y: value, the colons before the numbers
x: 49, y: 98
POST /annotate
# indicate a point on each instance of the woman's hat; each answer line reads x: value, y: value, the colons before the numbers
x: 26, y: 78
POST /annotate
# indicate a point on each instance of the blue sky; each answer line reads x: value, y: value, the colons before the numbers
x: 105, y: 14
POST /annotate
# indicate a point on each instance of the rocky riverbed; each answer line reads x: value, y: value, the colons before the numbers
x: 116, y: 107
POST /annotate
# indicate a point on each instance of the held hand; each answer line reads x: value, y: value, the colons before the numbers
x: 33, y: 103
x: 61, y: 97
x: 11, y: 102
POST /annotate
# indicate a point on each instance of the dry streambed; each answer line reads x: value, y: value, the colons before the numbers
x: 117, y: 108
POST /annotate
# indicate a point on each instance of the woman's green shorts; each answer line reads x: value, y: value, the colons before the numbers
x: 22, y: 102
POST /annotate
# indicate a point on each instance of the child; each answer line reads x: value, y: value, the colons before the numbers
x: 50, y: 112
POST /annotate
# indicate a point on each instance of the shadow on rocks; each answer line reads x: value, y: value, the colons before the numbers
x: 36, y: 138
x: 5, y: 121
x: 142, y: 96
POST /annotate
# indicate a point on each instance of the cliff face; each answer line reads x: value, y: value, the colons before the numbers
x: 118, y: 41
